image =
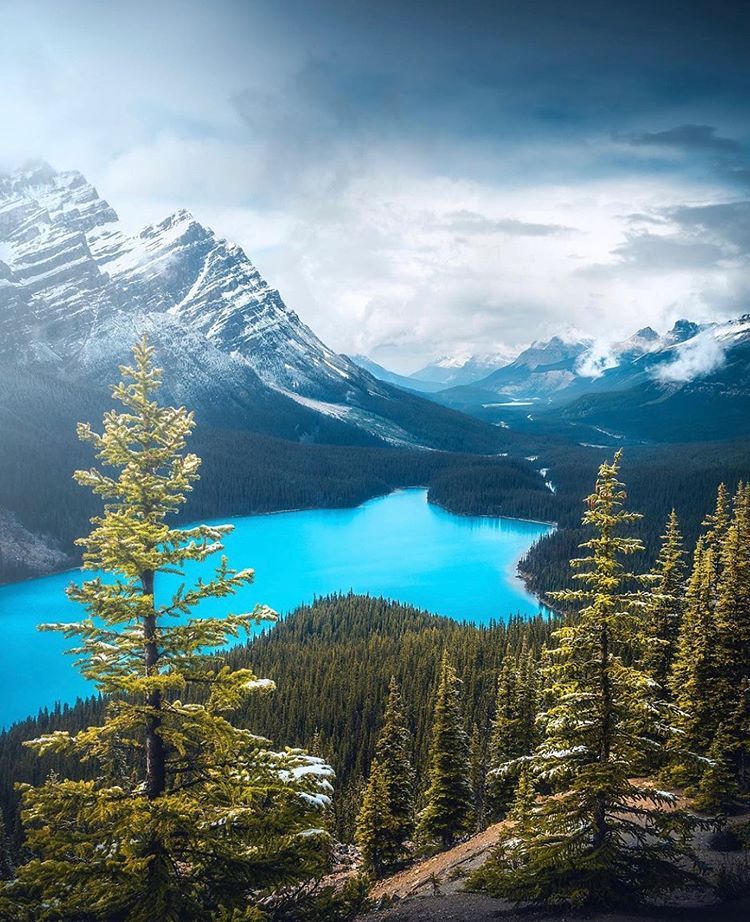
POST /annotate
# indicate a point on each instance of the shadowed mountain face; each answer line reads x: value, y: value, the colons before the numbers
x: 76, y: 291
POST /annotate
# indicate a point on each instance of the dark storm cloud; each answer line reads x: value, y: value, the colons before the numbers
x: 726, y: 222
x: 500, y: 75
x: 688, y: 138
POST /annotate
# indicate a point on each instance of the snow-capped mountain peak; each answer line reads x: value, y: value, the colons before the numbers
x: 76, y: 290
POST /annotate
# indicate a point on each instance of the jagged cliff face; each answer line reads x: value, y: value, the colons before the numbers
x: 69, y: 273
x: 76, y: 291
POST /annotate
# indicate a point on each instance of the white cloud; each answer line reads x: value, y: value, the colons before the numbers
x: 379, y: 235
x: 696, y: 357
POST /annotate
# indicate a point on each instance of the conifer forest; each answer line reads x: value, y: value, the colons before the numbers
x: 374, y: 461
x: 212, y: 782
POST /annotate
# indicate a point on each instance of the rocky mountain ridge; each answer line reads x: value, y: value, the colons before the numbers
x: 76, y: 290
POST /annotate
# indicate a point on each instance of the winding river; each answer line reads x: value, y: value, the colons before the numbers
x: 398, y: 546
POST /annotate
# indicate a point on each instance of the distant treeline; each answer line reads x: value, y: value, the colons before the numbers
x: 331, y: 662
x: 659, y: 478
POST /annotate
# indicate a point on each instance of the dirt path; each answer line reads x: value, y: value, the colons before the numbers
x: 443, y: 873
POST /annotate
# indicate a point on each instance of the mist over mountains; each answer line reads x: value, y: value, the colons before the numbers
x: 690, y: 383
x: 76, y: 291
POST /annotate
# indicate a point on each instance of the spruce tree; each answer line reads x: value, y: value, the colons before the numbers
x: 386, y: 819
x: 374, y: 832
x: 693, y: 678
x: 478, y: 775
x: 727, y: 778
x: 712, y: 663
x: 393, y: 753
x: 6, y: 865
x: 448, y: 811
x: 732, y: 610
x: 601, y: 837
x: 664, y: 610
x: 506, y: 739
x: 188, y: 818
x: 521, y: 811
x: 513, y: 729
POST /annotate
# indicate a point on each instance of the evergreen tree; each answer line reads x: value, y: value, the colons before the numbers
x: 392, y: 753
x: 732, y: 610
x: 386, y: 819
x: 665, y: 607
x: 693, y: 674
x: 601, y: 838
x: 713, y: 655
x: 188, y: 817
x: 506, y: 739
x: 513, y: 729
x: 448, y: 811
x: 727, y: 777
x: 528, y: 698
x: 376, y: 824
x: 6, y: 865
x: 717, y: 523
x: 478, y: 775
x: 523, y: 804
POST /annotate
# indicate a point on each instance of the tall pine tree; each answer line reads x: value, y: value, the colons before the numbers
x: 385, y: 834
x: 601, y: 837
x: 189, y: 818
x: 732, y: 611
x: 375, y: 827
x: 448, y: 813
x: 693, y: 673
x: 712, y: 665
x: 665, y: 606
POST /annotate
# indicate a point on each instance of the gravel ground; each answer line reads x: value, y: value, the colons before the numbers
x: 472, y: 907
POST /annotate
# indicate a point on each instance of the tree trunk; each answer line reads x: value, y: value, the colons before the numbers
x: 600, y: 809
x: 155, y: 760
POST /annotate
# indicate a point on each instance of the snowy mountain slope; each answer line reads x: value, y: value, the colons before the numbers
x: 76, y: 290
x: 409, y: 383
x: 691, y: 382
x: 461, y: 368
x: 692, y: 389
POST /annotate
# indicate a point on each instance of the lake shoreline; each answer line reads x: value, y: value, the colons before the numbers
x: 396, y: 546
x: 271, y: 512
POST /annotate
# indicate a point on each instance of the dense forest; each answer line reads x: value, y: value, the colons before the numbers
x: 360, y: 719
x: 246, y: 471
x: 339, y: 653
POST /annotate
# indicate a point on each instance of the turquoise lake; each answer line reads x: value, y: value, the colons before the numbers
x: 398, y: 546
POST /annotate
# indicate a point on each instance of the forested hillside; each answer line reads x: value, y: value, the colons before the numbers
x: 431, y: 728
x: 331, y: 662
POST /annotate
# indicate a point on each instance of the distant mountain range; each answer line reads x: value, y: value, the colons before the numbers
x: 408, y: 382
x: 76, y: 291
x: 460, y: 368
x: 691, y: 384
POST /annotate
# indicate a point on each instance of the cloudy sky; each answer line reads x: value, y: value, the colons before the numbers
x: 416, y: 177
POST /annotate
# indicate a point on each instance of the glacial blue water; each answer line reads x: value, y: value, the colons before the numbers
x: 397, y: 546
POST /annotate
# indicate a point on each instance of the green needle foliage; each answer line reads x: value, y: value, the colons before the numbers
x: 513, y: 729
x: 448, y: 812
x: 393, y: 753
x: 712, y: 667
x: 376, y: 825
x: 599, y: 837
x: 665, y: 608
x: 386, y: 820
x: 188, y: 817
